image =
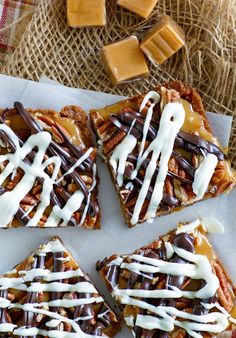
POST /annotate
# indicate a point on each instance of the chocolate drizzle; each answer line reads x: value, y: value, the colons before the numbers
x: 167, y: 200
x: 29, y: 318
x: 58, y: 266
x: 132, y: 122
x: 197, y: 145
x: 99, y: 316
x: 68, y: 153
x: 183, y: 241
x: 120, y: 278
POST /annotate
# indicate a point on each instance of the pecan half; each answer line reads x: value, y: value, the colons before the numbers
x: 225, y: 297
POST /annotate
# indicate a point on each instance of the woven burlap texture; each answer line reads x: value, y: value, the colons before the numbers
x: 72, y: 56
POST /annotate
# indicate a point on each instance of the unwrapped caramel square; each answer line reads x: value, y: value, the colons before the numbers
x: 163, y: 40
x: 124, y: 60
x: 83, y: 13
x: 140, y: 7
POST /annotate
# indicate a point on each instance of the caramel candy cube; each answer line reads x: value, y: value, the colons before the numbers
x: 163, y: 41
x: 140, y: 7
x: 83, y: 13
x: 124, y: 60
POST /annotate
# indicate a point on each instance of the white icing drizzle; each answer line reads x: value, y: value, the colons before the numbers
x: 161, y: 147
x: 203, y: 175
x: 7, y: 327
x: 4, y: 303
x: 10, y: 201
x: 77, y: 164
x: 209, y: 224
x: 58, y: 214
x: 120, y: 155
x: 169, y: 250
x: 49, y: 284
x: 53, y: 323
x: 197, y: 267
x: 63, y: 259
x: 159, y: 150
x: 22, y: 331
x: 117, y: 261
x: 53, y: 247
x: 188, y: 228
x: 129, y: 320
x: 100, y: 315
x: 84, y: 214
x: 129, y: 186
x: 212, y: 225
x: 82, y: 287
x: 155, y: 97
x: 44, y: 274
x: 220, y: 308
x: 216, y: 321
x: 29, y: 210
x: 201, y: 269
x: 66, y: 303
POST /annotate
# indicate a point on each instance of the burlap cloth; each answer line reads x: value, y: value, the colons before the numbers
x: 72, y: 56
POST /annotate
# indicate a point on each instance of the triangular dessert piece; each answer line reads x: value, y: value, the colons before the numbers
x: 48, y: 175
x: 161, y: 152
x: 48, y: 295
x: 174, y: 287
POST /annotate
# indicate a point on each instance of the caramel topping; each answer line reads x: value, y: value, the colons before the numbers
x: 108, y: 110
x: 124, y: 60
x: 140, y: 7
x: 233, y: 312
x: 17, y: 124
x: 195, y: 122
x: 203, y: 247
x: 163, y: 41
x: 71, y: 128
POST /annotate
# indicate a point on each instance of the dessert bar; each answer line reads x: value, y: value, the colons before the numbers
x: 161, y: 152
x: 48, y: 295
x: 174, y: 287
x: 48, y: 175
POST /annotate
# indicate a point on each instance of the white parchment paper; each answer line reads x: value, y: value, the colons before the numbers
x: 90, y: 246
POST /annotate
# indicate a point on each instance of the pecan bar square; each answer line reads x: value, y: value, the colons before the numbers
x: 161, y: 152
x: 48, y: 295
x: 48, y: 174
x: 174, y: 287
